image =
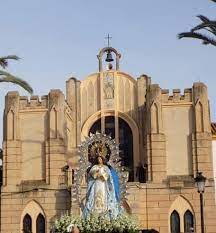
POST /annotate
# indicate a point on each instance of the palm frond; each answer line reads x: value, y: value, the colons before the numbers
x: 7, y: 77
x: 203, y: 18
x: 205, y: 39
x: 211, y: 25
x: 4, y: 60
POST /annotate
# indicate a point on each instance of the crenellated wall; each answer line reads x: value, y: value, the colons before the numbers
x: 176, y: 96
x: 34, y: 102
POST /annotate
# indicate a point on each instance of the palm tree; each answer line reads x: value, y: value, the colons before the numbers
x: 7, y: 77
x: 206, y: 25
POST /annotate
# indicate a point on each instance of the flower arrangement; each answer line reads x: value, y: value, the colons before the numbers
x: 97, y: 224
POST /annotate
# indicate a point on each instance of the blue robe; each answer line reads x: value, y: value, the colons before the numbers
x: 106, y: 204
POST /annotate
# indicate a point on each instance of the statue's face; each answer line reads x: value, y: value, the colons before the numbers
x: 100, y: 160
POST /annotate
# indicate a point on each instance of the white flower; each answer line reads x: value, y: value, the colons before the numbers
x: 70, y: 228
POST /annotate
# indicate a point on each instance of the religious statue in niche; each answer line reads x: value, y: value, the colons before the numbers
x: 109, y: 86
x: 106, y: 178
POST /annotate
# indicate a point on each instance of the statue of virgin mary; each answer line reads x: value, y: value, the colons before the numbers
x: 103, y: 196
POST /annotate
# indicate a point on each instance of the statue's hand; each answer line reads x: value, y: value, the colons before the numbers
x: 102, y: 178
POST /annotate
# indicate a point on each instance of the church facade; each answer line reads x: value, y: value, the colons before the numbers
x: 165, y: 139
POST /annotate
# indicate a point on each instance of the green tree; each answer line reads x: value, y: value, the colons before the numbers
x: 206, y: 25
x: 7, y: 77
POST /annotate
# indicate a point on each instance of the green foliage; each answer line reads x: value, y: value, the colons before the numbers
x: 97, y: 224
x: 7, y: 77
x: 206, y: 25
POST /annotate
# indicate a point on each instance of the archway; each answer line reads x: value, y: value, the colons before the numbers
x: 125, y: 140
x: 130, y: 122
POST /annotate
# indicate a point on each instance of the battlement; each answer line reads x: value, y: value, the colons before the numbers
x: 34, y: 102
x: 176, y: 96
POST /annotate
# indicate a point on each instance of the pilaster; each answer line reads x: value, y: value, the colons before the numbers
x: 201, y: 139
x: 11, y: 143
x: 55, y: 145
x: 155, y: 138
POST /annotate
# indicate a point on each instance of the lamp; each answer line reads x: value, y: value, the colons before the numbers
x: 200, y: 184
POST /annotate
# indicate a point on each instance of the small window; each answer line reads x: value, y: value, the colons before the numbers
x: 188, y: 222
x: 175, y: 222
x: 40, y: 224
x: 27, y: 224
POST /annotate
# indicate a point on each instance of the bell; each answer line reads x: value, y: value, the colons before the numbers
x: 109, y: 57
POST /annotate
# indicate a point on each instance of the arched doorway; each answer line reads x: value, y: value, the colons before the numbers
x: 125, y: 140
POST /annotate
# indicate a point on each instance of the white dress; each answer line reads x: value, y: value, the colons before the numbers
x: 99, y: 173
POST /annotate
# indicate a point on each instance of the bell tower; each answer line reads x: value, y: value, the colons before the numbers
x: 109, y: 51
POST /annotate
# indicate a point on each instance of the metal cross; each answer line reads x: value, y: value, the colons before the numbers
x: 108, y: 39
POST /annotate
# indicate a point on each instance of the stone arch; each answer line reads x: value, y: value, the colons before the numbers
x: 132, y: 124
x: 33, y: 209
x: 181, y: 205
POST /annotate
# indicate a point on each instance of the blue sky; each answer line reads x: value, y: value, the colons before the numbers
x: 58, y: 39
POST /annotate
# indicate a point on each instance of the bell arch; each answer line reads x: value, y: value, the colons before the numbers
x: 33, y: 209
x: 129, y: 121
